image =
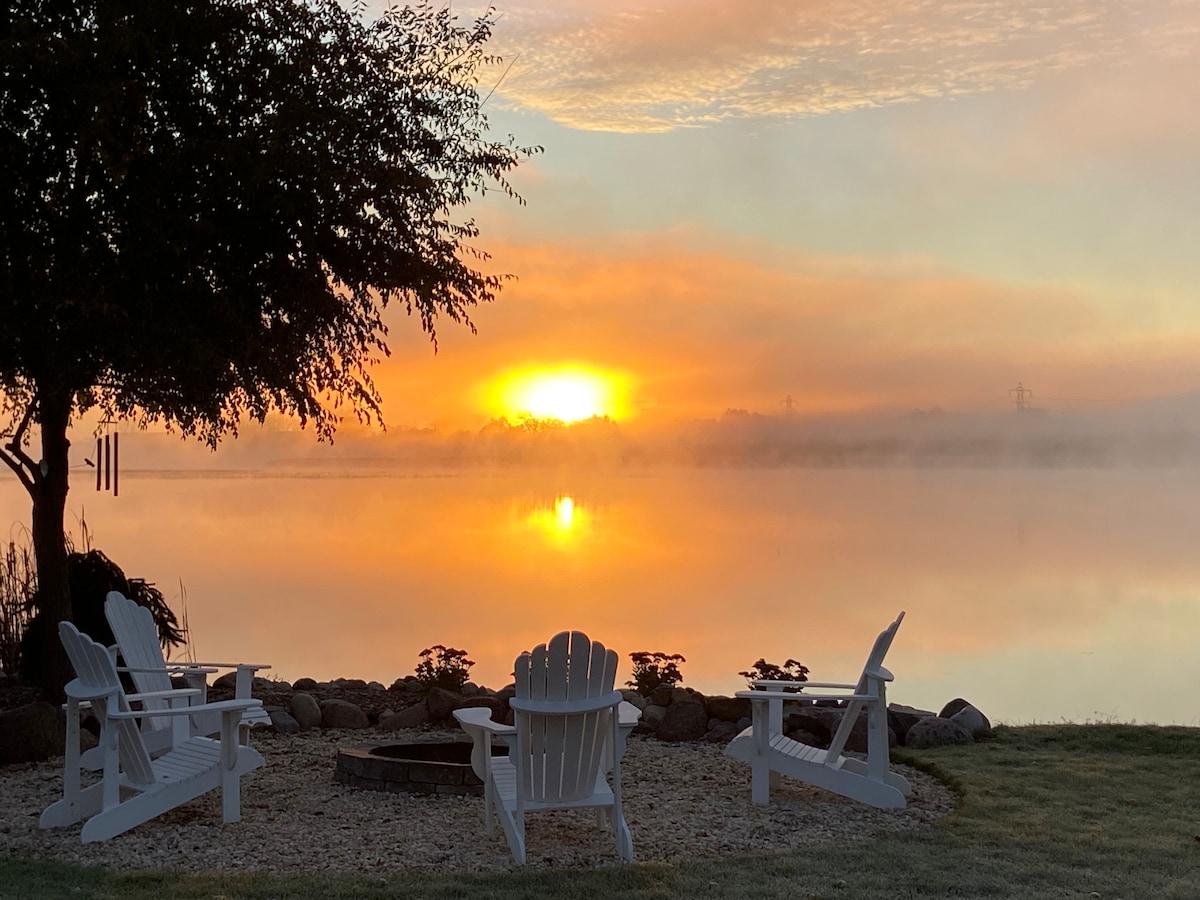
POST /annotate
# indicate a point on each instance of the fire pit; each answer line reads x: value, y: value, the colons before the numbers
x: 415, y: 768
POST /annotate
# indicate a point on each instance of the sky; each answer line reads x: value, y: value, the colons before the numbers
x: 884, y: 205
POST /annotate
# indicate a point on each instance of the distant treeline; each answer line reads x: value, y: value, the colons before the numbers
x: 739, y: 438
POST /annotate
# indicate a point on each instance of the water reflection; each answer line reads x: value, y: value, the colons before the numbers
x: 561, y: 523
x: 1025, y: 590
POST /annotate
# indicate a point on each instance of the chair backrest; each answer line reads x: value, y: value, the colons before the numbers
x: 882, y: 644
x: 94, y: 668
x: 137, y: 637
x: 563, y: 728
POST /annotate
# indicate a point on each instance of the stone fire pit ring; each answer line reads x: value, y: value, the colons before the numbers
x: 417, y: 767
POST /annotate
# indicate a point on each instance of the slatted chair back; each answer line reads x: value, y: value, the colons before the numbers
x: 563, y: 712
x: 137, y: 637
x: 879, y: 650
x: 94, y: 668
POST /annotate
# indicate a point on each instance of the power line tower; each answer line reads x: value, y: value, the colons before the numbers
x: 1020, y: 395
x: 789, y: 405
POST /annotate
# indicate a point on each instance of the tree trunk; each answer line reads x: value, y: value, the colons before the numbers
x: 50, y: 542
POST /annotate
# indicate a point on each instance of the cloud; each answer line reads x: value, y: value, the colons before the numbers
x: 701, y: 325
x: 643, y: 67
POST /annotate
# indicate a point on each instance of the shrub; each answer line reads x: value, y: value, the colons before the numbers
x: 443, y: 667
x: 789, y: 671
x: 652, y: 669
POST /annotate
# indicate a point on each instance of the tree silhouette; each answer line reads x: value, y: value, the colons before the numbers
x: 204, y: 207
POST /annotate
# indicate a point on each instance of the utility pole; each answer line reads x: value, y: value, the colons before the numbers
x: 1020, y: 395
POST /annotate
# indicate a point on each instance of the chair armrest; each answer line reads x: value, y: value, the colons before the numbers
x: 628, y: 715
x: 768, y: 684
x: 170, y: 670
x: 224, y: 665
x: 481, y: 717
x: 163, y: 695
x: 788, y: 695
x: 77, y: 690
x: 220, y: 707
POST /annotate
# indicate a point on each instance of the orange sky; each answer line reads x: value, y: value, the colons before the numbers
x: 890, y: 206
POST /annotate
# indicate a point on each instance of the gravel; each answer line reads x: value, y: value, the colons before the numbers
x: 681, y: 801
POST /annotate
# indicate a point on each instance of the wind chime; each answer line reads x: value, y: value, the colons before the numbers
x: 107, y: 462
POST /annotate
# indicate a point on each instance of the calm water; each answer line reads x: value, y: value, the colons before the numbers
x: 1038, y: 595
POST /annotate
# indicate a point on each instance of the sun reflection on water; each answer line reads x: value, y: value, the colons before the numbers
x: 563, y: 522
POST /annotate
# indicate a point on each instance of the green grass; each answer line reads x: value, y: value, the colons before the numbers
x: 1046, y: 811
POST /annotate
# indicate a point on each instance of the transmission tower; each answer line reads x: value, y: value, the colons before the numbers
x: 1020, y: 395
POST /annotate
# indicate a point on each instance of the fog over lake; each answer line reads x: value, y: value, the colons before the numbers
x: 1040, y: 594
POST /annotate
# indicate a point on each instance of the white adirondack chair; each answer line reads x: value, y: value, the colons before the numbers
x: 137, y: 641
x: 193, y: 766
x: 566, y: 741
x: 770, y: 753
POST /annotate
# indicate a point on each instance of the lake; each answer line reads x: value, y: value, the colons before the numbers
x: 1037, y: 594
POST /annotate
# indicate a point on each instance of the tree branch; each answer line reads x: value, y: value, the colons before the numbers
x: 16, y: 458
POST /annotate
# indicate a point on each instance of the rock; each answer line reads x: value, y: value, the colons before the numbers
x: 304, y: 684
x: 727, y: 709
x: 685, y: 719
x: 470, y: 689
x: 306, y: 710
x: 635, y: 698
x: 952, y: 707
x: 353, y: 684
x: 32, y: 732
x: 974, y: 721
x: 662, y: 695
x: 720, y: 731
x: 935, y: 731
x: 375, y: 687
x: 819, y: 723
x: 652, y: 718
x: 226, y: 682
x: 284, y: 723
x: 342, y: 714
x: 442, y: 703
x: 901, y: 718
x: 414, y: 716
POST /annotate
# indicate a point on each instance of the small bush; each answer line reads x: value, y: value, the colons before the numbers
x: 652, y: 669
x: 791, y: 670
x: 443, y: 667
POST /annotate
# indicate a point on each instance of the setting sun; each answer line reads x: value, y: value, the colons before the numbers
x: 567, y: 394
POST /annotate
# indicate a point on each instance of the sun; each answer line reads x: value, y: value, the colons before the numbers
x: 569, y: 394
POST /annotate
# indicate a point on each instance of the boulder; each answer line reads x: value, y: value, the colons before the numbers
x: 652, y: 718
x: 342, y: 714
x: 304, y: 684
x: 935, y: 731
x: 952, y: 707
x: 685, y: 719
x: 376, y: 687
x: 414, y: 716
x: 635, y: 698
x: 727, y: 709
x: 280, y: 718
x: 442, y: 703
x: 32, y: 732
x: 720, y: 731
x: 901, y: 718
x: 306, y: 710
x: 662, y: 695
x: 817, y: 722
x: 974, y: 721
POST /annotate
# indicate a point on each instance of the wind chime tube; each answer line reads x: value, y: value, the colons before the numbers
x: 107, y: 462
x: 116, y: 462
x: 98, y: 448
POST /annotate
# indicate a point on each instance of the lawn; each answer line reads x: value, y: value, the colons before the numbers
x: 1109, y: 811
